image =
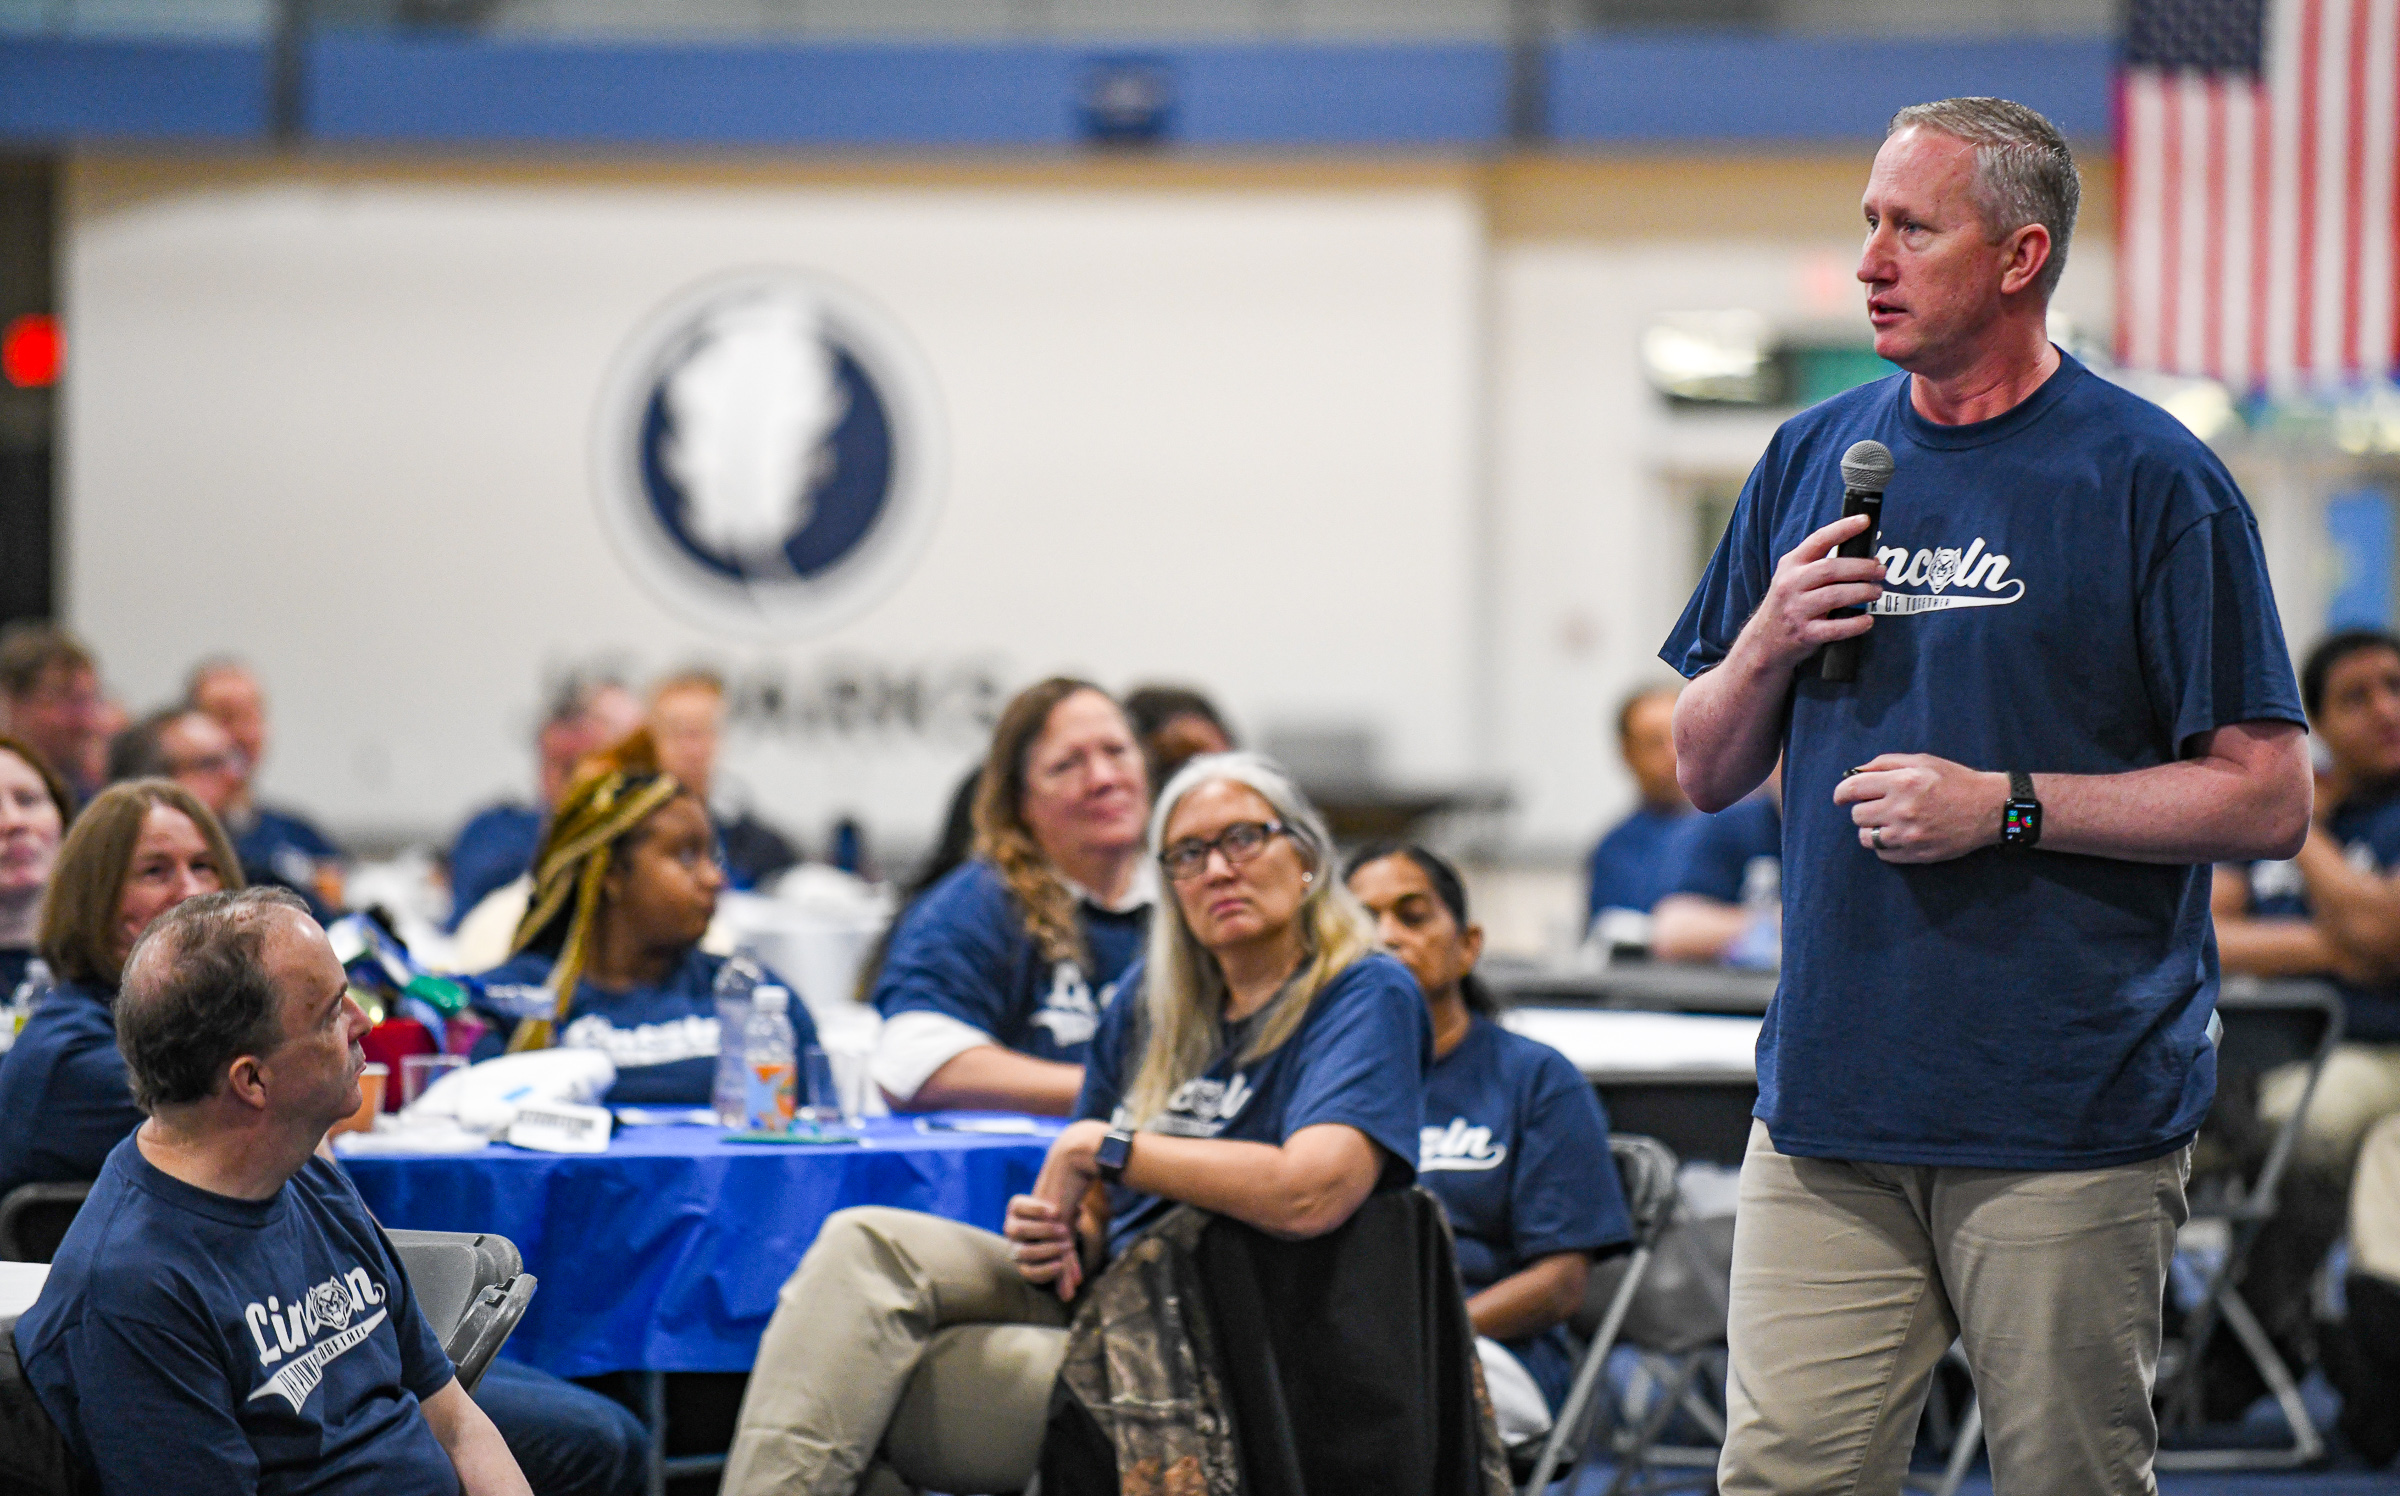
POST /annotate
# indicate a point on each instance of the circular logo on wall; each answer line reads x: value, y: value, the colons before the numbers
x: 768, y: 453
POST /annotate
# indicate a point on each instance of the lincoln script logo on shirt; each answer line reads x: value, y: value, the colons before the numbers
x: 1203, y: 1108
x: 1461, y: 1145
x: 316, y: 1327
x: 1951, y: 577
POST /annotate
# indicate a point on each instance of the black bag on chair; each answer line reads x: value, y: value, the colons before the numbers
x: 33, y: 1457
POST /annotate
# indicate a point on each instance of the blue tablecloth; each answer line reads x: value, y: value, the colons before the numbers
x: 665, y: 1253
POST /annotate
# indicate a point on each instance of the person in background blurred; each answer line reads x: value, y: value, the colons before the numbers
x: 1724, y: 882
x: 274, y: 843
x: 189, y: 747
x: 35, y: 807
x: 496, y: 847
x: 1515, y: 1144
x: 994, y: 981
x: 136, y: 851
x: 1628, y: 869
x: 608, y: 955
x: 687, y: 718
x: 1176, y: 724
x: 50, y: 698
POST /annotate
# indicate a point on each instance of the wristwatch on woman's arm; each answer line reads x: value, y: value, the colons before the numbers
x: 1115, y: 1150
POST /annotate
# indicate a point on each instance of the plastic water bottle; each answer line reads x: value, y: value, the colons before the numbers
x: 736, y: 980
x: 1759, y: 947
x: 770, y: 1069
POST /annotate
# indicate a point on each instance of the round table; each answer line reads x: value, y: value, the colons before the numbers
x: 666, y: 1252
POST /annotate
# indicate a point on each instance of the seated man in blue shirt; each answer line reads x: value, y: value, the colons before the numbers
x: 224, y: 1315
x: 1628, y: 869
x: 496, y: 846
x: 1724, y: 882
x: 275, y: 845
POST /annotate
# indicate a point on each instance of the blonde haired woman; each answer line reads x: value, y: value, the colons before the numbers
x: 995, y: 977
x: 1269, y: 1068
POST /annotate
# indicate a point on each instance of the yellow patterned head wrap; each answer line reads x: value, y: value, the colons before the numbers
x: 612, y: 792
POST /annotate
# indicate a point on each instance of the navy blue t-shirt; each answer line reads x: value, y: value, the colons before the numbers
x: 1719, y: 857
x: 1628, y: 869
x: 1515, y: 1146
x: 1358, y: 1058
x: 282, y: 846
x: 2075, y: 586
x: 493, y: 849
x: 15, y: 962
x: 64, y: 1103
x: 663, y: 1039
x: 961, y: 951
x: 2368, y: 828
x: 190, y: 1342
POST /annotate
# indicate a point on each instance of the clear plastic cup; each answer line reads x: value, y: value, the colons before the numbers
x: 418, y: 1072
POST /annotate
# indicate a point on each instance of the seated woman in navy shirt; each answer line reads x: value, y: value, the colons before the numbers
x: 608, y: 955
x: 35, y: 806
x: 994, y: 979
x: 1515, y: 1144
x: 1270, y: 1067
x: 138, y: 850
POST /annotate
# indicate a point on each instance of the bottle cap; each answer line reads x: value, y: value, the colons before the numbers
x: 770, y: 999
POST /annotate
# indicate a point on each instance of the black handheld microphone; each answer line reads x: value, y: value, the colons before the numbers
x: 1866, y: 470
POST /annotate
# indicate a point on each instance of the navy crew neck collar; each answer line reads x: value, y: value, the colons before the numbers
x: 2008, y: 423
x: 158, y: 1182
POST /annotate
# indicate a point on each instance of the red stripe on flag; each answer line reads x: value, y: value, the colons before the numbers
x: 2212, y: 275
x: 2304, y: 267
x: 2354, y: 205
x: 2170, y: 221
x: 2262, y: 230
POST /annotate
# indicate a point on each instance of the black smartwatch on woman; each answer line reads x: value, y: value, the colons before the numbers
x: 1115, y: 1150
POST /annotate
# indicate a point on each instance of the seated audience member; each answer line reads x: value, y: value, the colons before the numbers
x: 1628, y: 869
x: 35, y: 806
x: 687, y: 718
x: 496, y: 847
x: 1724, y: 882
x: 153, y: 1346
x: 276, y: 845
x: 993, y: 982
x: 1515, y: 1144
x: 1176, y: 724
x: 608, y: 956
x: 137, y: 851
x: 50, y: 699
x: 1270, y: 1068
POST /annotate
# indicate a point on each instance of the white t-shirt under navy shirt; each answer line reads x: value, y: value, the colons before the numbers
x: 1515, y: 1146
x: 192, y: 1343
x: 1358, y: 1058
x: 2075, y: 586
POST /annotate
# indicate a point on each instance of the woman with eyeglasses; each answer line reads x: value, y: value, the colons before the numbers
x: 1266, y: 1063
x: 608, y: 954
x: 1515, y: 1144
x: 994, y: 978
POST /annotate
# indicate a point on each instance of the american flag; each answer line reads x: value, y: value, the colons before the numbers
x: 2256, y: 222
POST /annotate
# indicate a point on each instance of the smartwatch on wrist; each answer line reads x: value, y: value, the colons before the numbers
x: 2021, y: 817
x: 1115, y: 1150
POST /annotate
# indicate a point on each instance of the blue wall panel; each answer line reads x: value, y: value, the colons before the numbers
x: 367, y: 87
x: 58, y: 89
x: 1667, y: 88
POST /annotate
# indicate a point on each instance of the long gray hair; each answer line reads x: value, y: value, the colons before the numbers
x: 1184, y: 996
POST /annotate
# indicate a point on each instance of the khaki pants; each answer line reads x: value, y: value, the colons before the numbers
x: 1851, y: 1280
x: 2360, y: 1086
x: 903, y: 1333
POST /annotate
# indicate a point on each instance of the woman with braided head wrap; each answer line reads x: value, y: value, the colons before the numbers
x: 994, y: 980
x: 608, y: 955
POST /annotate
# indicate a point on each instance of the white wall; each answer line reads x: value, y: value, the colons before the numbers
x: 338, y: 420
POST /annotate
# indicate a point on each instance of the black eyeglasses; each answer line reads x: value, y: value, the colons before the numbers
x: 1240, y: 842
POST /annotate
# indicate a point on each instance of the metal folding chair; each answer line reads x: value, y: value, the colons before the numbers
x: 2270, y: 1022
x: 34, y: 1218
x: 472, y: 1288
x: 1646, y: 1168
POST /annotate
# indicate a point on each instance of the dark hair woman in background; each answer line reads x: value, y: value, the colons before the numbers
x: 1514, y: 1143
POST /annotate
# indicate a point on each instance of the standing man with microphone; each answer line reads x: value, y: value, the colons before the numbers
x: 1981, y: 1075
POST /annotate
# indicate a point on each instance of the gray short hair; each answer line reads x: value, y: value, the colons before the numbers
x: 197, y: 995
x: 2024, y: 172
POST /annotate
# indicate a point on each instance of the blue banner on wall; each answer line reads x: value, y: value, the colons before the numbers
x: 2359, y: 526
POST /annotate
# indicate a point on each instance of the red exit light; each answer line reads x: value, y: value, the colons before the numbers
x: 29, y: 351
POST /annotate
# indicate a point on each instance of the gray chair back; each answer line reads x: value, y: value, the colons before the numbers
x: 34, y: 1219
x: 471, y: 1287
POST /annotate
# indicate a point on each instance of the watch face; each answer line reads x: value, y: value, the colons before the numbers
x: 2021, y: 821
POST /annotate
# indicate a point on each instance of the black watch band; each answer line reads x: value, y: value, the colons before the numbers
x: 1116, y: 1150
x: 2021, y: 817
